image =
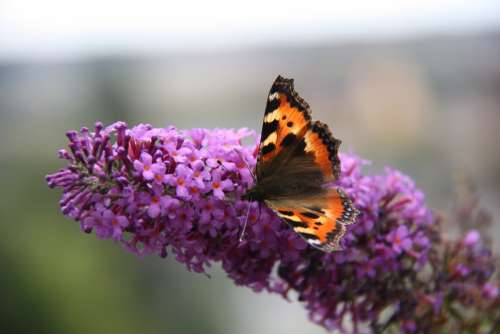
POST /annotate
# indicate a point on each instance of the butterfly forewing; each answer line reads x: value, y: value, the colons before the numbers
x: 321, y: 143
x: 286, y: 119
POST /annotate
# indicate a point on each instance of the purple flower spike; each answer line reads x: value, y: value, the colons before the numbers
x: 179, y: 192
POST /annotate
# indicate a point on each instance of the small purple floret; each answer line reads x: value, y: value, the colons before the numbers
x: 471, y: 238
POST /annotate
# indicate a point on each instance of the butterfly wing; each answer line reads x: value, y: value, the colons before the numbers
x: 297, y: 157
x: 320, y: 220
x: 286, y: 118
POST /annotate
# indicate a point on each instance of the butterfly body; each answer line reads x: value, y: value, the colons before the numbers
x: 298, y: 161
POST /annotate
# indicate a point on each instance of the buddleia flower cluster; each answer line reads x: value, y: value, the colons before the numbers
x: 178, y: 192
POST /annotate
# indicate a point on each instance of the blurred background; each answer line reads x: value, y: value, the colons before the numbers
x: 411, y: 85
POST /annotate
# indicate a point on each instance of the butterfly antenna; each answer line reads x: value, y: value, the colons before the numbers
x: 246, y: 163
x: 242, y: 235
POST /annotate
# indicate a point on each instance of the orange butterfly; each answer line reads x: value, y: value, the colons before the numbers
x: 297, y: 159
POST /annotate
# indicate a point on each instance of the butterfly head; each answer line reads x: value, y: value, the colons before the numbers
x: 253, y: 194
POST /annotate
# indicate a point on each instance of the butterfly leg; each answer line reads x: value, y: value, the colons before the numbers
x: 242, y: 235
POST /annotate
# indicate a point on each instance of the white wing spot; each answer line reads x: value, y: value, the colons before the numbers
x: 273, y: 96
x: 272, y: 116
x: 270, y: 139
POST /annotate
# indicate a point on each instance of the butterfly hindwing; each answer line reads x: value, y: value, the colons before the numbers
x: 340, y: 207
x: 317, y: 229
x: 321, y: 219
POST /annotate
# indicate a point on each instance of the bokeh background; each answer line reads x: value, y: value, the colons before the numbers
x: 411, y: 85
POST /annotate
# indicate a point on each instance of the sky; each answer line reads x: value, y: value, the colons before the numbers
x: 65, y: 28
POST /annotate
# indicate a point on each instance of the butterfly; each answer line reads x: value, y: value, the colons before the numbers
x: 297, y: 160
